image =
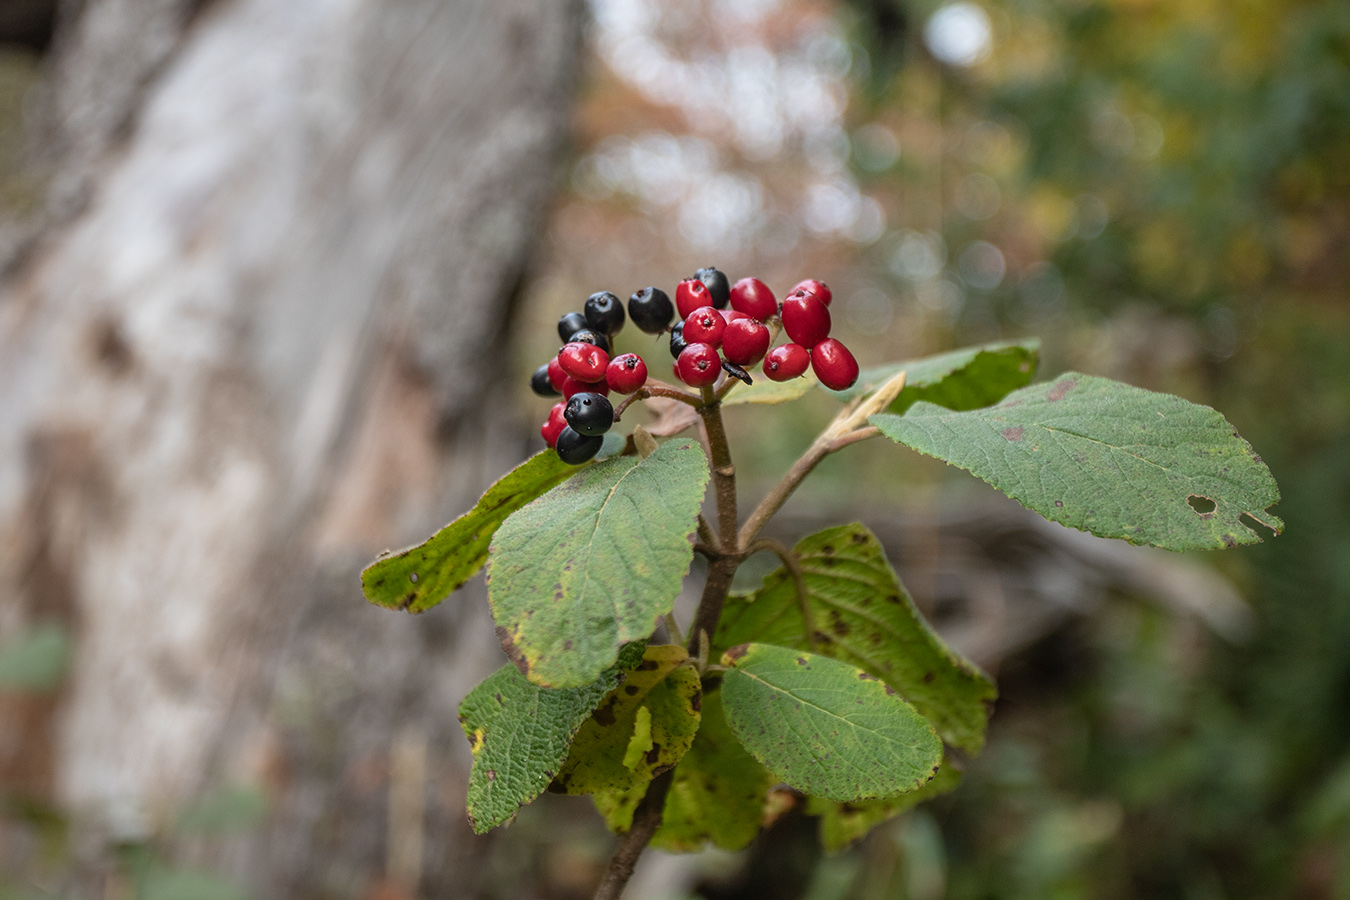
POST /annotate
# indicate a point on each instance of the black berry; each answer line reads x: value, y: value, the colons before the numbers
x: 604, y: 312
x: 589, y: 413
x: 541, y: 384
x: 719, y: 288
x: 651, y: 310
x: 677, y: 341
x: 570, y: 324
x: 575, y: 448
x: 590, y: 336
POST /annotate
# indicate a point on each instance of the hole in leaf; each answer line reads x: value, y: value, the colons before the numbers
x: 1202, y: 505
x: 1262, y: 530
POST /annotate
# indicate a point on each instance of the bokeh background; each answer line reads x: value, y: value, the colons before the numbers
x: 323, y: 248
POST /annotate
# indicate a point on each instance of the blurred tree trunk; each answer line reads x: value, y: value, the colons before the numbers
x: 258, y: 338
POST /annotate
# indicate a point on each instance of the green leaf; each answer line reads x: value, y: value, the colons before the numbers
x: 35, y: 660
x: 825, y: 727
x: 639, y: 730
x: 595, y: 563
x: 961, y: 379
x: 519, y: 734
x: 418, y: 578
x: 1108, y: 458
x: 863, y: 616
x: 766, y: 391
x: 717, y: 795
x: 843, y: 823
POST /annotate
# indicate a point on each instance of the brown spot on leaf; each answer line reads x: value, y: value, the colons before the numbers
x: 863, y: 676
x: 1229, y: 541
x: 736, y: 652
x: 491, y: 774
x: 648, y: 665
x: 827, y: 549
x: 859, y: 537
x: 1060, y: 389
x: 1013, y: 432
x: 512, y: 652
x: 696, y: 703
x: 840, y: 627
x: 890, y: 690
x: 567, y: 645
x: 1059, y: 503
x: 653, y: 754
x: 631, y: 690
x: 604, y: 713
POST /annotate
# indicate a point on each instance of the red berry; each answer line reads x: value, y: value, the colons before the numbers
x: 806, y: 320
x: 698, y: 365
x: 626, y: 373
x: 704, y: 326
x: 555, y: 374
x: 834, y: 365
x: 555, y: 424
x: 745, y: 341
x: 732, y: 315
x: 753, y: 297
x: 787, y: 361
x: 690, y: 294
x: 572, y: 386
x: 584, y: 362
x: 819, y: 289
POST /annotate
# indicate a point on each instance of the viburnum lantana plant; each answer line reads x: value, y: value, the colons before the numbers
x: 825, y: 687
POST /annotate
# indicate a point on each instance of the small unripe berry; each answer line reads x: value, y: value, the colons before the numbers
x: 806, y: 320
x: 818, y: 289
x: 575, y: 448
x: 698, y: 365
x: 554, y: 425
x: 604, y: 313
x: 716, y: 283
x: 787, y: 361
x: 834, y: 365
x: 626, y: 373
x: 704, y: 326
x: 651, y: 310
x: 584, y: 362
x: 690, y: 294
x: 745, y: 341
x: 753, y: 297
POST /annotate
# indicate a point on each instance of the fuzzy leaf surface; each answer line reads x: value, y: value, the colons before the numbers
x: 767, y: 391
x: 1108, y: 458
x: 825, y: 727
x: 639, y: 730
x: 519, y: 734
x: 841, y: 824
x: 418, y: 578
x: 864, y: 616
x: 595, y: 563
x: 960, y: 379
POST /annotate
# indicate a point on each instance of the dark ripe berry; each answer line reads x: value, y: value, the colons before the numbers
x: 834, y: 365
x: 787, y: 361
x: 589, y: 413
x: 651, y: 310
x: 698, y: 365
x: 753, y: 297
x: 704, y: 326
x: 591, y: 336
x: 626, y: 373
x: 604, y: 312
x: 818, y: 289
x: 575, y: 448
x: 556, y: 375
x: 745, y: 342
x: 570, y: 324
x: 719, y: 288
x: 584, y: 362
x: 571, y: 387
x: 690, y: 294
x: 806, y: 320
x: 555, y: 424
x: 677, y: 341
x: 540, y: 383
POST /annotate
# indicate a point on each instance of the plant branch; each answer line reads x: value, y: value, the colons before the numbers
x: 794, y: 567
x: 646, y: 819
x: 723, y: 471
x: 656, y: 389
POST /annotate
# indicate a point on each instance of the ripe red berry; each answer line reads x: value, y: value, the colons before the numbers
x: 806, y: 320
x: 704, y: 326
x: 834, y: 365
x: 690, y: 294
x: 745, y: 341
x: 584, y: 362
x: 556, y: 375
x: 787, y: 361
x: 626, y: 373
x: 819, y: 289
x: 571, y: 386
x: 732, y: 315
x: 753, y: 297
x: 555, y: 424
x: 698, y: 365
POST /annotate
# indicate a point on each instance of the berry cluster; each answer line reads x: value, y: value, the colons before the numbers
x: 708, y: 339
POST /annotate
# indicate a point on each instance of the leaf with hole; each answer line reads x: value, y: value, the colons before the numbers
x: 519, y: 734
x: 1108, y: 458
x: 825, y: 727
x: 864, y: 616
x: 969, y: 378
x: 420, y: 577
x: 595, y: 563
